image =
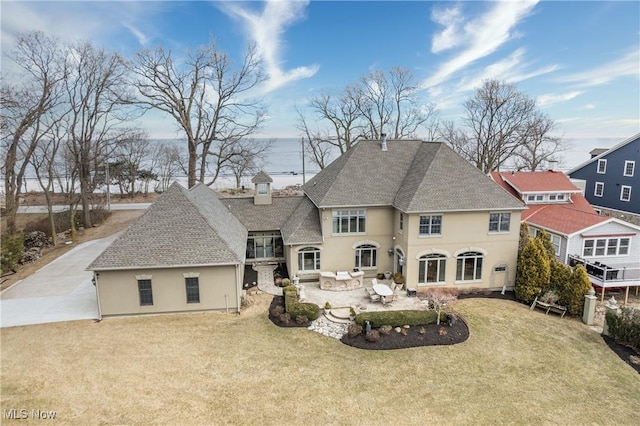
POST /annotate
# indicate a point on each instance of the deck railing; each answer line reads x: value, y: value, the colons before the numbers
x: 608, y: 276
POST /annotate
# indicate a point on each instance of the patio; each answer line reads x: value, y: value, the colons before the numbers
x: 359, y: 298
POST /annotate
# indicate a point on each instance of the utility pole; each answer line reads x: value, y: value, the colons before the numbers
x: 108, y: 185
x: 303, y: 175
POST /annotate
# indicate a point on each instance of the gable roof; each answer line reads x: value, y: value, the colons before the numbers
x: 412, y: 175
x: 182, y: 228
x: 543, y: 181
x: 262, y: 177
x: 634, y: 138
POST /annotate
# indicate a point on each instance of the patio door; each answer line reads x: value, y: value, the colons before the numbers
x: 399, y: 261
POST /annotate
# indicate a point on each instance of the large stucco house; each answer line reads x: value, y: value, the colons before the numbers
x: 404, y: 206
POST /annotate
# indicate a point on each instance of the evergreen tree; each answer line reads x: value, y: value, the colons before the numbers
x: 533, y: 271
x: 525, y: 236
x: 579, y: 285
x: 560, y: 280
x: 545, y: 240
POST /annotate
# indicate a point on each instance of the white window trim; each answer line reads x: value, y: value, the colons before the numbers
x: 595, y: 189
x: 606, y: 246
x: 337, y: 234
x: 633, y: 168
x: 375, y: 246
x: 604, y: 162
x: 622, y: 188
x: 430, y: 235
x: 499, y: 231
x: 433, y: 283
x: 299, y: 250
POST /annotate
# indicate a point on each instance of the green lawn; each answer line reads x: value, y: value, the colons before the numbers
x: 518, y: 367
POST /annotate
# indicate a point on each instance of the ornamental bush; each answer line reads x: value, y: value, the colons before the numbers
x: 533, y: 272
x: 12, y: 247
x: 625, y: 327
x: 397, y: 318
x: 295, y: 308
x: 573, y: 294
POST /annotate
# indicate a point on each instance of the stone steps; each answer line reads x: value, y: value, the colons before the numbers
x: 339, y: 315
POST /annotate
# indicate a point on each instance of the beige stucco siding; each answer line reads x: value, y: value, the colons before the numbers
x: 463, y: 231
x: 338, y: 249
x: 118, y: 290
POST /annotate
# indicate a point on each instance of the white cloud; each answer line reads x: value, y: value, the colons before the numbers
x: 589, y: 107
x: 552, y: 98
x: 481, y: 36
x: 626, y: 66
x: 451, y: 36
x: 267, y: 29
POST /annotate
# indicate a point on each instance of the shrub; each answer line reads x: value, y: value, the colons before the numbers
x: 533, y: 271
x: 286, y: 282
x: 398, y: 278
x: 277, y: 311
x: 327, y: 305
x: 11, y: 252
x: 372, y: 336
x: 625, y: 327
x: 396, y: 318
x: 301, y: 319
x: 573, y: 293
x: 354, y: 330
x: 295, y: 308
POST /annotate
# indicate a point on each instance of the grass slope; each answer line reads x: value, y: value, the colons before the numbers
x: 517, y: 366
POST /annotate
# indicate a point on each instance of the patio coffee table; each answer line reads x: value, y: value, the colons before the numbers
x: 383, y: 291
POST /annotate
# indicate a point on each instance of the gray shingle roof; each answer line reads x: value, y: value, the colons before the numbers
x: 183, y: 227
x: 303, y: 226
x: 262, y: 177
x: 412, y: 175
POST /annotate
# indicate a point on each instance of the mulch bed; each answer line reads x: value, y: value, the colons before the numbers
x: 279, y: 301
x: 627, y: 354
x: 417, y: 336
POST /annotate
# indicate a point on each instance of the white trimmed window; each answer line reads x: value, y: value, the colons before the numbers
x: 349, y: 221
x: 602, y: 166
x: 366, y: 256
x: 309, y: 259
x: 401, y: 224
x: 469, y: 266
x: 629, y: 168
x: 499, y: 222
x: 625, y: 193
x: 599, y: 189
x: 430, y: 225
x: 432, y: 268
x: 555, y: 240
x: 263, y: 188
x: 598, y: 247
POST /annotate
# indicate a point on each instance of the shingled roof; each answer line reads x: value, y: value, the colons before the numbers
x: 296, y: 217
x: 182, y: 228
x: 413, y: 176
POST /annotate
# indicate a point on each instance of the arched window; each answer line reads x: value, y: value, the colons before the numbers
x: 366, y: 256
x: 469, y: 266
x: 431, y: 268
x: 309, y: 259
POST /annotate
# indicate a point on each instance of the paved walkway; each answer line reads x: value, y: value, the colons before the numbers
x: 265, y: 280
x: 60, y: 291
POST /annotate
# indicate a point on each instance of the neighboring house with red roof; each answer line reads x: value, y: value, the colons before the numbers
x: 404, y: 206
x: 609, y: 247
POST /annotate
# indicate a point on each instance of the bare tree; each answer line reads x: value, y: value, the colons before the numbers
x: 378, y: 103
x: 100, y: 103
x: 207, y: 98
x: 44, y: 160
x: 28, y: 110
x: 248, y: 157
x: 539, y: 147
x: 501, y: 125
x: 166, y: 163
x: 130, y: 154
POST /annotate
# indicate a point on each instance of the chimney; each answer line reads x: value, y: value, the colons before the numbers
x: 553, y: 165
x: 384, y: 141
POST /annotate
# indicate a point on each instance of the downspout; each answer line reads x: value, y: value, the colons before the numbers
x: 95, y: 278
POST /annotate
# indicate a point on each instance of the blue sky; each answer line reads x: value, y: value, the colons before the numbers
x: 580, y: 60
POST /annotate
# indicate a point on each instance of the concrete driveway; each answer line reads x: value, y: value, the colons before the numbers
x: 60, y: 291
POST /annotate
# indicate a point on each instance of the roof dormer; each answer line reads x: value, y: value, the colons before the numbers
x: 262, y: 190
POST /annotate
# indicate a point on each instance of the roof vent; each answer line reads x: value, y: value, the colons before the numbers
x: 384, y: 141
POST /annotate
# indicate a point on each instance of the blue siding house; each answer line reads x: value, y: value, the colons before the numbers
x: 612, y: 178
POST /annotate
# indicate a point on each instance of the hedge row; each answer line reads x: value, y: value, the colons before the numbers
x: 295, y: 308
x: 398, y: 318
x: 625, y: 328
